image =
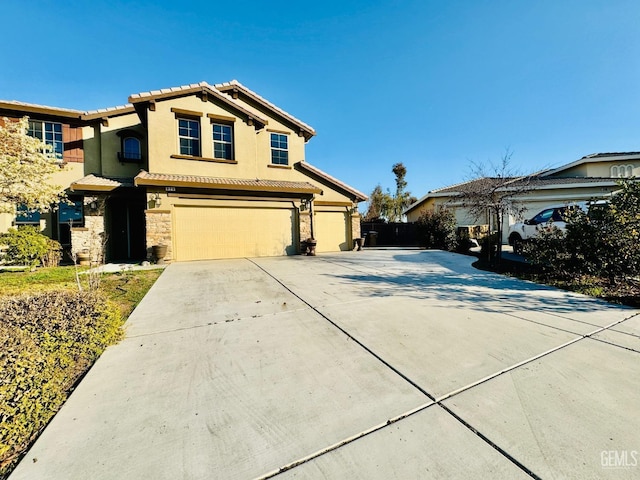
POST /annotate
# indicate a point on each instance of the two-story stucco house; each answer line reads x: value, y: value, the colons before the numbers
x: 591, y: 177
x: 210, y: 171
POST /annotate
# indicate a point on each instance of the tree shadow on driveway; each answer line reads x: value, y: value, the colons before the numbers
x: 442, y: 276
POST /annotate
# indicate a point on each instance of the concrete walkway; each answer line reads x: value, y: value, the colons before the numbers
x: 361, y: 365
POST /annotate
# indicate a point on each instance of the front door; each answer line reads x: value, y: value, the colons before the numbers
x: 126, y: 227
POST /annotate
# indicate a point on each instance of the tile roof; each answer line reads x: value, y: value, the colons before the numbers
x: 197, y: 181
x: 42, y: 109
x: 194, y: 88
x: 94, y: 183
x: 109, y: 111
x: 235, y: 84
x: 310, y: 168
x: 612, y: 154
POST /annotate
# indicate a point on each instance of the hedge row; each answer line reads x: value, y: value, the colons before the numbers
x: 47, y: 341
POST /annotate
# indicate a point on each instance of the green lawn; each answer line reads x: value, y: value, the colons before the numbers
x: 125, y: 289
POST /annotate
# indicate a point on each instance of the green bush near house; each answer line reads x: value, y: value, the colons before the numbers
x: 437, y: 229
x: 27, y: 246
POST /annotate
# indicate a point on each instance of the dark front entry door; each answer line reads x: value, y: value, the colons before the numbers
x: 126, y: 228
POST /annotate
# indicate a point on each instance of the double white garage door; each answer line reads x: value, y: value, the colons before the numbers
x: 202, y: 233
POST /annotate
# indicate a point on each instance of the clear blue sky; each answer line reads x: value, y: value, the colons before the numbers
x: 433, y: 84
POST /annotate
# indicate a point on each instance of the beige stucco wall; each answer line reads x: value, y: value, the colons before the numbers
x: 92, y: 149
x: 102, y: 143
x: 70, y: 173
x: 163, y: 141
x: 111, y: 144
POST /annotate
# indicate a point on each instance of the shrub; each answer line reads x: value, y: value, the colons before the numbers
x: 24, y: 246
x: 54, y: 254
x: 437, y: 229
x: 47, y: 341
x: 548, y: 252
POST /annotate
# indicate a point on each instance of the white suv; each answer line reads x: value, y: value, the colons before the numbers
x: 553, y: 216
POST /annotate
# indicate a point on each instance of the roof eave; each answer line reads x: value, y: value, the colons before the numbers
x: 143, y: 180
x: 356, y: 194
x: 305, y: 130
x: 202, y: 88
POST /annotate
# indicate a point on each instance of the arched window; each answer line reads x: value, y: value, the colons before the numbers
x: 614, y: 171
x: 622, y: 171
x: 131, y: 149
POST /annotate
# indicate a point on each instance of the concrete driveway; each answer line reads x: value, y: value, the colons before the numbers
x: 371, y: 365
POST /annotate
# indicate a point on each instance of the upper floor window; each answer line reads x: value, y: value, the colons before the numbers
x: 50, y: 133
x: 131, y: 150
x: 279, y: 149
x: 622, y: 171
x: 222, y: 141
x: 189, y: 136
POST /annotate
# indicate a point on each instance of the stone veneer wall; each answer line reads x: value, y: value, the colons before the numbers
x: 355, y: 226
x: 159, y: 231
x: 305, y: 226
x: 91, y: 237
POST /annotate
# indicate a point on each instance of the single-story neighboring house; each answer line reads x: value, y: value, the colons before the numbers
x: 209, y: 171
x: 591, y: 177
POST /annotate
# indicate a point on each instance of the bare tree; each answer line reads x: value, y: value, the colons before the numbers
x: 494, y: 190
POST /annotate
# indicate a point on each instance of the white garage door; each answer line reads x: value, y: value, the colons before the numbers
x: 330, y: 230
x: 202, y: 233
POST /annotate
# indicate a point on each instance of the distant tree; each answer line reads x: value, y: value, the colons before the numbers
x: 494, y: 190
x: 26, y: 167
x: 402, y: 199
x: 387, y: 207
x: 379, y: 205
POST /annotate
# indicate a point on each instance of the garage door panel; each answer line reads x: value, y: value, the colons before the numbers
x: 232, y: 232
x: 331, y: 231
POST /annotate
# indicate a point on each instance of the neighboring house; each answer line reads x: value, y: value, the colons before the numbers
x: 591, y: 177
x: 211, y: 171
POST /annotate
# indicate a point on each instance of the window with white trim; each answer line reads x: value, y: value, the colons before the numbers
x: 279, y: 149
x: 189, y: 136
x: 50, y: 133
x: 222, y: 141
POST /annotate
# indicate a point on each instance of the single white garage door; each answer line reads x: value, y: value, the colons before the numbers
x: 330, y: 230
x: 203, y: 233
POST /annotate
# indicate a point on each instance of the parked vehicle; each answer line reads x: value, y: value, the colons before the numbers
x: 553, y: 216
